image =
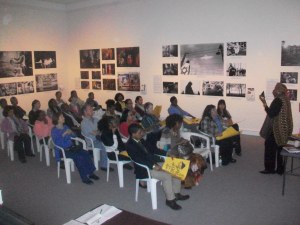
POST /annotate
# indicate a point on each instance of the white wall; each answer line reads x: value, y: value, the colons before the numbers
x: 151, y: 24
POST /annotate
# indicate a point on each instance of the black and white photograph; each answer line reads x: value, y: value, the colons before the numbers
x: 96, y: 85
x: 108, y: 53
x: 289, y: 77
x: 236, y: 48
x: 202, y: 59
x: 290, y: 54
x: 236, y: 69
x: 96, y: 75
x: 15, y: 64
x: 189, y: 87
x: 292, y: 93
x: 108, y: 69
x: 109, y: 84
x: 46, y: 82
x: 213, y: 88
x: 129, y: 82
x: 84, y: 74
x: 170, y: 87
x: 44, y: 59
x: 128, y: 57
x: 85, y: 85
x: 236, y: 90
x: 170, y: 68
x: 170, y: 51
x: 90, y: 58
x: 25, y: 87
x: 250, y: 96
x: 8, y: 89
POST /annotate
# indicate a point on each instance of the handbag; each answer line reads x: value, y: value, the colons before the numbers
x: 266, y: 128
x: 185, y: 149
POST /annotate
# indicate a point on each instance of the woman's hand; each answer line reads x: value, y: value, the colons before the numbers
x: 263, y: 100
x: 67, y: 132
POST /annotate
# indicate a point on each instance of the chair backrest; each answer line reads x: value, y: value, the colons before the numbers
x: 142, y: 165
x: 83, y: 142
x: 57, y: 147
x: 89, y: 142
x: 213, y: 139
x: 188, y: 135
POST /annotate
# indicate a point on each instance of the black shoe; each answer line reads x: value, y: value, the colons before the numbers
x: 188, y: 188
x: 180, y: 197
x: 172, y: 204
x: 105, y: 169
x: 93, y: 176
x: 280, y: 172
x: 224, y: 163
x: 239, y: 154
x: 267, y: 171
x: 128, y: 167
x: 233, y: 160
x: 30, y: 155
x: 88, y: 181
x: 23, y: 160
x: 143, y: 185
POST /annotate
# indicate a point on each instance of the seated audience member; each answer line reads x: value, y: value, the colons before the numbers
x: 129, y: 106
x: 111, y: 109
x: 42, y: 126
x: 91, y: 101
x: 139, y: 107
x: 33, y: 114
x: 227, y: 122
x: 52, y: 108
x: 58, y: 98
x: 149, y: 121
x: 75, y: 105
x: 70, y: 120
x: 140, y: 154
x: 89, y: 128
x: 62, y: 136
x: 175, y: 109
x: 211, y: 124
x: 125, y: 121
x: 18, y: 111
x: 17, y: 131
x: 120, y: 104
x: 3, y: 104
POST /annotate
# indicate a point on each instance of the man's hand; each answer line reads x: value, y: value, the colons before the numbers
x: 157, y: 167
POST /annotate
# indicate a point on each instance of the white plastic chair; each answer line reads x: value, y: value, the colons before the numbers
x: 10, y: 148
x: 46, y: 148
x: 215, y: 148
x: 96, y: 151
x: 31, y: 135
x: 2, y: 139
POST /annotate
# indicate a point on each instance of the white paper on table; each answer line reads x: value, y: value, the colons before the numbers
x: 73, y: 222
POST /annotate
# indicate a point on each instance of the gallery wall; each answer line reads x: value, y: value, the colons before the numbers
x: 149, y: 25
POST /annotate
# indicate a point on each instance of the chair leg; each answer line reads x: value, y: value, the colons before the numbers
x: 153, y: 193
x: 210, y: 161
x: 217, y: 152
x: 96, y: 155
x: 41, y: 152
x: 107, y: 171
x: 120, y: 174
x: 47, y: 155
x: 10, y: 150
x: 68, y: 170
x: 58, y: 169
x: 2, y: 140
x: 137, y: 181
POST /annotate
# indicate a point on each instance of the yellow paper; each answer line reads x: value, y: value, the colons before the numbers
x: 157, y: 110
x: 229, y: 132
x: 191, y: 121
x: 176, y: 167
x: 124, y: 153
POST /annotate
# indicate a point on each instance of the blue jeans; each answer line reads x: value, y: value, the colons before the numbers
x: 103, y: 154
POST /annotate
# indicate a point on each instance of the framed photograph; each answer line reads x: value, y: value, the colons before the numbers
x: 90, y: 58
x: 170, y: 87
x: 128, y: 57
x: 236, y: 90
x: 213, y: 88
x: 236, y: 48
x: 25, y: 87
x: 170, y: 51
x: 202, y: 59
x: 189, y: 87
x: 46, y: 82
x: 170, y: 68
x: 250, y: 96
x: 96, y: 85
x: 292, y: 93
x: 84, y: 74
x: 96, y: 75
x: 290, y: 54
x: 8, y: 89
x: 108, y: 69
x: 289, y: 77
x: 237, y: 69
x: 15, y: 64
x: 109, y: 84
x: 108, y: 53
x: 85, y: 85
x: 44, y: 59
x: 129, y: 82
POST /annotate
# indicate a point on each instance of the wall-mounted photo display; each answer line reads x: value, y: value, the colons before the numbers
x: 90, y: 58
x: 202, y: 59
x: 170, y: 87
x: 128, y: 57
x: 189, y: 87
x: 250, y: 96
x: 108, y: 53
x: 129, y: 82
x: 213, y: 88
x: 292, y: 93
x: 236, y: 48
x: 46, y: 82
x: 84, y: 74
x: 25, y: 87
x: 15, y: 64
x: 108, y: 69
x: 44, y: 59
x: 8, y: 89
x: 289, y: 77
x: 290, y: 54
x: 170, y: 68
x: 85, y: 85
x: 170, y: 51
x: 237, y: 69
x: 96, y: 85
x: 109, y: 84
x: 96, y: 75
x: 236, y: 90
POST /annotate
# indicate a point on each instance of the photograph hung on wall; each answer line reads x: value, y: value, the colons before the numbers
x: 237, y: 69
x: 90, y: 58
x: 108, y: 53
x: 290, y: 54
x: 44, y: 59
x: 292, y: 94
x: 202, y: 59
x: 250, y: 96
x: 170, y: 68
x: 15, y: 64
x: 289, y: 77
x: 170, y: 87
x: 213, y: 88
x: 109, y: 84
x: 235, y: 90
x: 7, y: 89
x: 96, y: 85
x: 96, y: 75
x: 128, y: 57
x: 129, y: 81
x: 170, y: 51
x: 189, y: 87
x: 46, y: 82
x: 25, y: 87
x: 108, y: 69
x: 84, y: 74
x: 85, y: 85
x: 236, y: 48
